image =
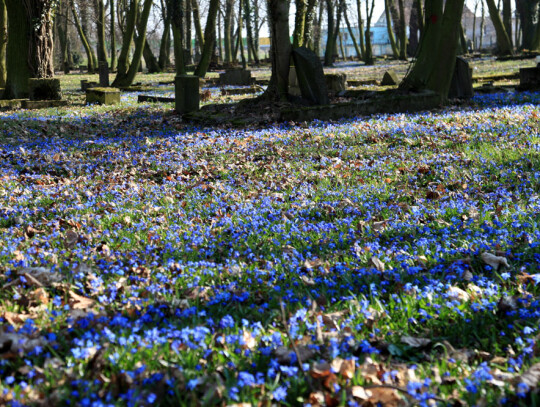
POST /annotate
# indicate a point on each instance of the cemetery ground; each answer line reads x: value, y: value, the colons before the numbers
x: 385, y: 260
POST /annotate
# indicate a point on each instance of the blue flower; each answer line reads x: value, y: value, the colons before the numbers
x: 280, y: 394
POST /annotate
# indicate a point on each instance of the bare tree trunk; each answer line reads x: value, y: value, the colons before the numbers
x: 317, y: 35
x: 209, y: 39
x: 389, y: 29
x: 198, y: 28
x: 299, y: 23
x: 308, y: 25
x: 228, y: 28
x: 129, y: 33
x: 249, y: 31
x: 165, y: 43
x: 360, y: 28
x: 504, y: 44
x: 402, y: 32
x: 353, y: 38
x: 188, y: 46
x: 3, y: 42
x: 113, y: 35
x: 280, y: 49
x: 482, y: 25
x: 84, y: 39
x: 100, y: 28
x: 507, y: 18
x: 369, y: 60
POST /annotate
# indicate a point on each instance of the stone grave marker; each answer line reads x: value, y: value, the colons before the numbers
x: 186, y: 91
x: 529, y: 78
x: 390, y: 78
x: 310, y: 76
x: 236, y: 77
x: 461, y: 86
x: 44, y: 89
x: 103, y: 96
x: 336, y: 82
x: 103, y: 74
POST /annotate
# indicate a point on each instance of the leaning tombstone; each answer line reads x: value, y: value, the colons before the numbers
x: 236, y: 77
x: 390, y: 78
x: 310, y: 76
x: 461, y: 86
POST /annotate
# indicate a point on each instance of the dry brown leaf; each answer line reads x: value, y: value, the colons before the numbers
x: 313, y: 263
x: 385, y: 397
x: 458, y: 293
x: 347, y: 369
x: 77, y: 301
x: 531, y: 377
x: 494, y: 261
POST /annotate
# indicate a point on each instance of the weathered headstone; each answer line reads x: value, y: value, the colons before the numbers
x: 103, y: 74
x: 336, y: 82
x: 390, y: 78
x: 529, y: 78
x: 236, y: 77
x: 186, y: 90
x: 310, y: 76
x: 44, y: 89
x: 103, y: 96
x: 461, y: 86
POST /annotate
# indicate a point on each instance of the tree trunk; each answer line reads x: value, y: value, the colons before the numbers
x: 402, y: 32
x: 482, y: 25
x: 308, y: 24
x: 389, y: 29
x: 474, y: 27
x: 299, y: 23
x: 165, y: 43
x: 62, y: 32
x: 249, y: 31
x: 126, y: 79
x: 369, y: 60
x: 240, y: 39
x: 84, y: 40
x: 317, y: 35
x: 152, y: 63
x: 434, y: 67
x: 353, y: 38
x: 3, y: 42
x: 129, y: 33
x: 420, y: 16
x: 83, y: 11
x: 228, y: 28
x: 504, y: 44
x: 209, y: 39
x: 507, y: 18
x: 100, y: 27
x: 535, y: 46
x: 198, y: 27
x: 113, y: 36
x: 413, y: 30
x: 330, y: 43
x: 528, y: 11
x: 361, y: 29
x: 280, y: 49
x: 187, y: 38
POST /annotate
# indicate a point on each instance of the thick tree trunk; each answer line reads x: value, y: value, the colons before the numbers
x: 187, y: 38
x: 299, y: 23
x: 308, y: 24
x: 389, y: 29
x: 62, y: 32
x: 228, y: 30
x: 150, y: 59
x: 507, y: 17
x: 280, y: 49
x: 165, y: 43
x: 528, y: 11
x: 317, y: 34
x: 83, y: 11
x: 209, y: 39
x: 434, y: 67
x: 127, y: 78
x: 100, y: 27
x: 413, y: 30
x: 420, y: 16
x: 504, y: 44
x: 330, y: 43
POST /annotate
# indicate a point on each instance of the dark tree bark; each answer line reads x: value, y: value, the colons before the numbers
x: 3, y: 42
x: 100, y: 28
x: 299, y: 23
x: 330, y: 42
x: 528, y: 11
x: 198, y: 28
x: 113, y: 35
x: 308, y: 24
x: 353, y: 37
x: 165, y: 43
x: 361, y: 29
x: 249, y: 31
x: 30, y: 44
x: 89, y: 52
x: 369, y: 60
x: 402, y: 29
x: 280, y: 49
x: 228, y: 30
x: 413, y: 30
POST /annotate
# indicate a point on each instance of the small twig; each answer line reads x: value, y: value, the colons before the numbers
x: 401, y: 389
x: 13, y: 282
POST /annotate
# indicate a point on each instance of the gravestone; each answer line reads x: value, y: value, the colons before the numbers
x: 44, y: 89
x: 529, y: 78
x: 186, y: 91
x: 336, y: 82
x: 310, y: 76
x: 461, y: 86
x: 103, y: 96
x: 236, y: 76
x: 294, y: 87
x: 103, y: 74
x: 390, y: 78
